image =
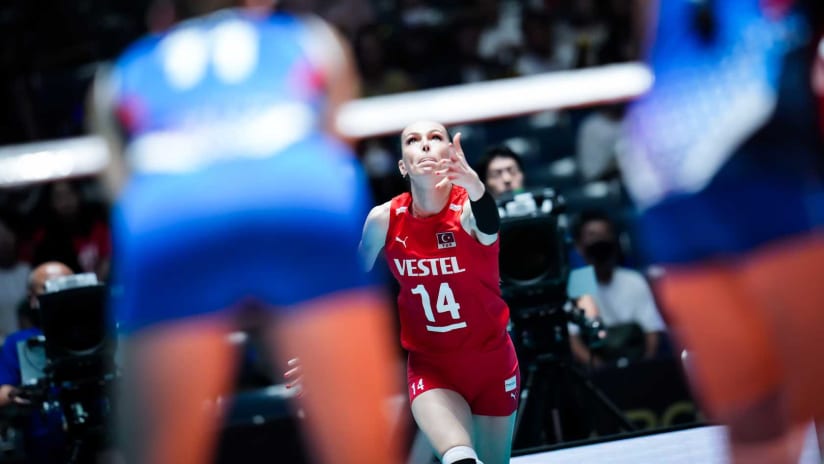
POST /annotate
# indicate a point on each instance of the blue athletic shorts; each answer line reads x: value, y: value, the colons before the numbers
x: 748, y: 204
x: 282, y: 230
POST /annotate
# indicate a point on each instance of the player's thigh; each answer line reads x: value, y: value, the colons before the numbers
x: 171, y: 372
x: 493, y: 437
x: 786, y: 277
x: 444, y: 417
x: 733, y: 364
x: 344, y: 342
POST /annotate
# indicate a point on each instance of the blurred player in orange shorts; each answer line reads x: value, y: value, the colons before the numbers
x: 724, y: 160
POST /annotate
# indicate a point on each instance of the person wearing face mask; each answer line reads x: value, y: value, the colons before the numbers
x: 623, y: 297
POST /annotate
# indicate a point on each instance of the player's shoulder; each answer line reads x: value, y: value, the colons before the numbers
x: 631, y: 276
x: 138, y: 50
x: 380, y: 213
x: 375, y: 228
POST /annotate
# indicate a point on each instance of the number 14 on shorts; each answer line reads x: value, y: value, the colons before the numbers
x: 416, y: 387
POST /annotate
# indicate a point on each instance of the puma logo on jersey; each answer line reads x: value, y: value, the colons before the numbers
x: 513, y: 396
x: 400, y: 209
x: 454, y: 207
x: 402, y: 242
x: 430, y: 266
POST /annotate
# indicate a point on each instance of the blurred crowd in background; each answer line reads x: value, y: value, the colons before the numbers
x: 52, y: 49
x: 48, y: 61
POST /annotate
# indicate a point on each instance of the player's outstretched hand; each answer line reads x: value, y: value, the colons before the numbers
x: 456, y: 170
x: 294, y: 376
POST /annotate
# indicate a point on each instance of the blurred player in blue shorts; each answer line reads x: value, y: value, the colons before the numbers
x: 235, y: 189
x: 724, y: 159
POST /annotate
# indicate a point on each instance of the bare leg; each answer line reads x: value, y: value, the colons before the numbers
x: 344, y: 345
x: 783, y: 449
x: 734, y: 367
x: 786, y: 278
x: 444, y: 417
x: 421, y: 451
x: 172, y: 376
x: 493, y: 438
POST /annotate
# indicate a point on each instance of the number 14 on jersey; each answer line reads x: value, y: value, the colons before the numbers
x: 445, y: 303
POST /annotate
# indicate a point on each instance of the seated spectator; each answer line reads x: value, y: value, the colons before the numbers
x: 9, y: 362
x: 539, y: 53
x: 622, y: 42
x: 41, y: 443
x: 72, y: 231
x: 500, y: 36
x: 379, y: 75
x: 13, y: 275
x: 469, y: 65
x: 596, y: 143
x: 501, y: 171
x: 622, y: 296
x: 582, y: 33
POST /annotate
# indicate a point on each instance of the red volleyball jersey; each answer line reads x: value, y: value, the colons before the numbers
x: 450, y: 296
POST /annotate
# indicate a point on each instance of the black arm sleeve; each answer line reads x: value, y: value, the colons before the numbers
x: 486, y: 214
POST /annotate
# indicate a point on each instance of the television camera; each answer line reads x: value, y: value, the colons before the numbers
x: 69, y: 370
x: 534, y: 273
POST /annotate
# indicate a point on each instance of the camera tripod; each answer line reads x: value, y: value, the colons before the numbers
x: 542, y: 398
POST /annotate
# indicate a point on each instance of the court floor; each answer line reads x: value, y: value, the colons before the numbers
x: 705, y: 445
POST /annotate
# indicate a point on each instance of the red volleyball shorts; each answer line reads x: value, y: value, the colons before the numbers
x: 489, y: 381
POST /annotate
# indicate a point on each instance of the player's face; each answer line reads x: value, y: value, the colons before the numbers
x: 424, y: 145
x: 503, y: 175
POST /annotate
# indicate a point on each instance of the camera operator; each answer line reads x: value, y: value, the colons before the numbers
x: 621, y: 297
x: 9, y: 360
x: 42, y: 439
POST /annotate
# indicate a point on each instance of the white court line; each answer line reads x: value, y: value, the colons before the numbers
x: 704, y: 445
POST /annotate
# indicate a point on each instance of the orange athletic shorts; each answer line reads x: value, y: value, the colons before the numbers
x: 753, y: 327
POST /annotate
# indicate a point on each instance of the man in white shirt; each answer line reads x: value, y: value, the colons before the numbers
x: 621, y: 296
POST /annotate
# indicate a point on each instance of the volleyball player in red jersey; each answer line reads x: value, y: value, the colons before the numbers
x: 440, y: 241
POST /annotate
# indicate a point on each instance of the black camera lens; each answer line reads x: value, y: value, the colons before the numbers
x: 530, y: 251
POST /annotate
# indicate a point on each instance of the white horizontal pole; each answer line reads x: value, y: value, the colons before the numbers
x: 374, y: 116
x: 501, y: 98
x: 51, y: 160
